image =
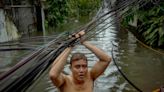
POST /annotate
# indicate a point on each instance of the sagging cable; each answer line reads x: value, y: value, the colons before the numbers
x: 124, y: 76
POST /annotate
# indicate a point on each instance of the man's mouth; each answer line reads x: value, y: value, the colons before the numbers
x: 81, y: 75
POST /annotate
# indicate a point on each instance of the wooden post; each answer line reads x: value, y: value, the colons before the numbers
x: 40, y: 16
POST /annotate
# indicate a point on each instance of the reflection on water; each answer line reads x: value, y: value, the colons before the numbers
x: 142, y: 66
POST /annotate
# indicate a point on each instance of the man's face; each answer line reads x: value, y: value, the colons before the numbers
x: 79, y: 69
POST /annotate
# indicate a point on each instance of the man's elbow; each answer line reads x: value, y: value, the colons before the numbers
x: 52, y: 75
x: 107, y: 59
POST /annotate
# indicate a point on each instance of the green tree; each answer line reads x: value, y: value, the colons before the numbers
x: 60, y: 10
x: 150, y: 24
x: 57, y: 12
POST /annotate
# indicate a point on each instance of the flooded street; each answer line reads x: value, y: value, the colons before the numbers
x: 142, y: 66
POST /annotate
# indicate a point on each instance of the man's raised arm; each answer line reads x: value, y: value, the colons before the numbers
x: 104, y: 59
x: 103, y: 62
x: 56, y: 75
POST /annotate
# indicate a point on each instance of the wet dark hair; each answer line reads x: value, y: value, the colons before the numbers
x: 77, y: 56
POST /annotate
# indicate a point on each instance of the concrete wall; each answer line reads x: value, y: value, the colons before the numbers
x: 8, y: 30
x: 24, y: 17
x: 3, y: 33
x: 25, y: 20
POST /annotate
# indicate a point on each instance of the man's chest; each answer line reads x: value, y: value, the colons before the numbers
x: 72, y: 87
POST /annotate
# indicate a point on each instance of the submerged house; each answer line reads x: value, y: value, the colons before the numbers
x: 18, y: 17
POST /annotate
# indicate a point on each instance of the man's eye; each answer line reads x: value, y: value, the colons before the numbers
x: 78, y: 66
x: 84, y: 66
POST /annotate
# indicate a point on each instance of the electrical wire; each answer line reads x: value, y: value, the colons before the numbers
x: 112, y: 22
x: 113, y: 14
x: 124, y: 76
x: 121, y: 6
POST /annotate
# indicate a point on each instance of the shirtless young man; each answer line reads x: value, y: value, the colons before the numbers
x: 81, y: 79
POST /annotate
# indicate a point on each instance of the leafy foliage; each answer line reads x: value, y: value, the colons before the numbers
x: 60, y: 10
x: 56, y: 12
x: 83, y: 7
x: 150, y: 23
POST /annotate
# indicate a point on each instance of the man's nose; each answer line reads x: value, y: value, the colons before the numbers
x: 81, y: 69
